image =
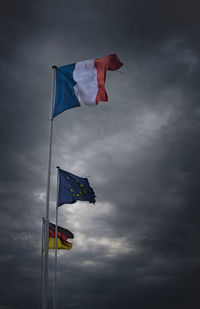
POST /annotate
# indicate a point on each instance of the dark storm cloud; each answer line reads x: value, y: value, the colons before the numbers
x: 138, y: 246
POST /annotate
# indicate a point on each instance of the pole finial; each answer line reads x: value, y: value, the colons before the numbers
x: 58, y: 167
x: 54, y: 67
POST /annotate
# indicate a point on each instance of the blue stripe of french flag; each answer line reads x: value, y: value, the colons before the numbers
x: 83, y: 83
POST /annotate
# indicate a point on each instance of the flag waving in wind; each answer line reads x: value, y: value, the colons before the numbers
x: 62, y: 236
x: 73, y: 188
x: 83, y: 82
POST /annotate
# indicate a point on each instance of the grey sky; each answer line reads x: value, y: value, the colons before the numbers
x: 139, y: 245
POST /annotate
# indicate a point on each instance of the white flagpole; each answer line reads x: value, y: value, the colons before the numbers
x: 45, y: 292
x: 42, y: 268
x: 56, y: 246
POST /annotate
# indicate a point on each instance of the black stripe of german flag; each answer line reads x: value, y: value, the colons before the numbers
x: 61, y: 230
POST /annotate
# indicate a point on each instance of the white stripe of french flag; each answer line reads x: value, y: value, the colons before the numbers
x: 90, y: 77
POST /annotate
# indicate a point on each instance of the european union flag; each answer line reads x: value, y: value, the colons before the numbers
x: 73, y: 188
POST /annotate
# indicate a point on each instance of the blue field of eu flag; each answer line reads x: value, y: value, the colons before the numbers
x: 73, y: 188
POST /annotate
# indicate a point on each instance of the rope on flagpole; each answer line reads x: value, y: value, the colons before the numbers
x: 45, y: 292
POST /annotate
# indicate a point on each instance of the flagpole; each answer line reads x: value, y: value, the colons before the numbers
x: 56, y: 245
x: 42, y: 268
x: 45, y: 292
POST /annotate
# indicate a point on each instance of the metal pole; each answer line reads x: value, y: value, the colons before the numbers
x: 42, y: 270
x: 56, y: 245
x: 45, y: 294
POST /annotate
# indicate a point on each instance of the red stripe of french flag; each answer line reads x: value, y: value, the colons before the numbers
x: 111, y: 63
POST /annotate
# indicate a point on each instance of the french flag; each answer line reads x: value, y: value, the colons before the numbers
x: 83, y: 83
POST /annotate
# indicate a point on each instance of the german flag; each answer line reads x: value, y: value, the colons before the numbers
x: 62, y: 236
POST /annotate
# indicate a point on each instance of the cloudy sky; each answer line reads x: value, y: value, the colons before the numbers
x: 138, y: 246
